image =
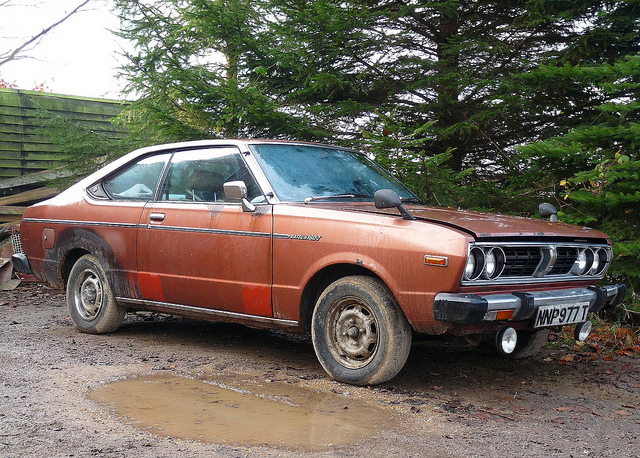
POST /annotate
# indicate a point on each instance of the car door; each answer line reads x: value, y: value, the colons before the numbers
x: 198, y: 248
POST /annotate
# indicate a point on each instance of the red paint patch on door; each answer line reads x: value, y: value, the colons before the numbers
x: 257, y: 300
x: 150, y: 286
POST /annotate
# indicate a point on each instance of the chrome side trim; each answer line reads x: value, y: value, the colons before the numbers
x: 79, y: 223
x: 147, y: 226
x: 204, y: 230
x: 208, y: 312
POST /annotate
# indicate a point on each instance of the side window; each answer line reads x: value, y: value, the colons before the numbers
x: 138, y: 181
x: 199, y: 176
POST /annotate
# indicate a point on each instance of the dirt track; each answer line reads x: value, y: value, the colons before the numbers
x: 448, y: 401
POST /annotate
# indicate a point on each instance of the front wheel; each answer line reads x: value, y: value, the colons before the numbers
x: 92, y: 305
x: 359, y: 333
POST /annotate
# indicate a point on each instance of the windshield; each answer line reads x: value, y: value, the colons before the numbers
x: 307, y: 172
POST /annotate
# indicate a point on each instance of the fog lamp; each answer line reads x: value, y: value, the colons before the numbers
x: 582, y: 331
x: 506, y: 340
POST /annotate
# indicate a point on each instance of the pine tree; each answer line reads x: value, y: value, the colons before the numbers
x: 446, y: 86
x: 594, y: 170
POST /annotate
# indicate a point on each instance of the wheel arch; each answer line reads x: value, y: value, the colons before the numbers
x: 70, y: 258
x: 321, y: 280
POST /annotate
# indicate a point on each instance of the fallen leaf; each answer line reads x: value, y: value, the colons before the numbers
x: 564, y: 409
x: 624, y: 413
x: 624, y: 332
x: 625, y: 352
x: 568, y: 358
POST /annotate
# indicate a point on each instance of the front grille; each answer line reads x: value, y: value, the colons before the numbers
x: 524, y: 262
x: 566, y: 258
x: 521, y: 261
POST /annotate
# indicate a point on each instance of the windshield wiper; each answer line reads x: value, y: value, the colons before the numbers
x: 411, y: 200
x: 335, y: 196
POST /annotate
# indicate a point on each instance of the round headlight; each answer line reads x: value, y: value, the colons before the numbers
x: 584, y: 262
x: 490, y: 263
x: 475, y: 264
x: 595, y: 265
x: 600, y: 261
x: 494, y: 263
x: 470, y: 267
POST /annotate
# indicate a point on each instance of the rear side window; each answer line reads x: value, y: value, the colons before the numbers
x: 138, y: 181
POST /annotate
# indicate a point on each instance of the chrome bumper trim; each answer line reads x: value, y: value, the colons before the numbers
x: 472, y: 308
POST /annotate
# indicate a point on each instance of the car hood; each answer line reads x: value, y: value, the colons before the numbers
x: 483, y: 225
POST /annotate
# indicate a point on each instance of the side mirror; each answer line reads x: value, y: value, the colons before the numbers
x: 238, y: 190
x: 548, y: 211
x: 388, y: 198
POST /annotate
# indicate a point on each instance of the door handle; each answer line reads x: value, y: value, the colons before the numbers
x: 156, y: 217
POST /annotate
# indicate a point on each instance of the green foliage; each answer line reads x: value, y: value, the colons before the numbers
x: 84, y: 149
x: 485, y: 75
x: 593, y: 171
x: 197, y: 69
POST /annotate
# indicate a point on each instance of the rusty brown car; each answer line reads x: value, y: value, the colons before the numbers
x: 309, y: 238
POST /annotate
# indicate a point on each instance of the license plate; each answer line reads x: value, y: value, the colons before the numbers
x: 556, y: 315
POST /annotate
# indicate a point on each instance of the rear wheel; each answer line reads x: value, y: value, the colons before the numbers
x: 359, y: 333
x: 92, y: 305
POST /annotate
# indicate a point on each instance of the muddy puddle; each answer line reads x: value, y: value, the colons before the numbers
x: 243, y: 412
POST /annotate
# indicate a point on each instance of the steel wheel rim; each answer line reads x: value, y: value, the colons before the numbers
x: 88, y: 297
x: 352, y: 332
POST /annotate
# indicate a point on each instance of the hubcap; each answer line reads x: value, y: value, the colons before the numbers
x: 88, y: 295
x: 352, y: 333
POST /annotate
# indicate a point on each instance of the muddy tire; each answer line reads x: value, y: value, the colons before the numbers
x: 359, y: 333
x: 92, y: 305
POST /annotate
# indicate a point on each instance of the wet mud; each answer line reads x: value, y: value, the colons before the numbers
x: 162, y: 387
x: 234, y: 411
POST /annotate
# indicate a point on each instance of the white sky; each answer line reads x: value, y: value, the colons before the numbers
x: 79, y: 57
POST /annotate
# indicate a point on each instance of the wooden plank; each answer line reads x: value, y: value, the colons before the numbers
x: 30, y: 165
x: 32, y: 155
x: 11, y: 210
x: 13, y: 222
x: 29, y: 196
x: 34, y: 178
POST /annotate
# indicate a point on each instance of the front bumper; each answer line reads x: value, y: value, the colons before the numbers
x: 473, y: 308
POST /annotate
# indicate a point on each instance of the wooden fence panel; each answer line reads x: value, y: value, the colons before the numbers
x: 23, y: 149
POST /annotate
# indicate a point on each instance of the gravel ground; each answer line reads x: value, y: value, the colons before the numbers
x: 449, y: 401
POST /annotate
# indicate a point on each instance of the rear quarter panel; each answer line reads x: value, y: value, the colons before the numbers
x: 104, y: 229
